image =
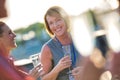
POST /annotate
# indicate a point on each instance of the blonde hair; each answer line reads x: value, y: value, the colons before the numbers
x: 53, y: 11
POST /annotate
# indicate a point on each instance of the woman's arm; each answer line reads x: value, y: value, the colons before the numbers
x: 46, y: 61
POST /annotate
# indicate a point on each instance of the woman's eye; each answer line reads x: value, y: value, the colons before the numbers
x: 10, y: 32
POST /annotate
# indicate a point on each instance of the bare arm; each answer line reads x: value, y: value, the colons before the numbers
x: 46, y: 60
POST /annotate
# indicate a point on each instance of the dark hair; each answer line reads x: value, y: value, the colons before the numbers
x: 56, y: 10
x: 1, y: 25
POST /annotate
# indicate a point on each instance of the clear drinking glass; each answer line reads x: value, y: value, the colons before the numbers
x: 35, y: 59
x: 67, y: 52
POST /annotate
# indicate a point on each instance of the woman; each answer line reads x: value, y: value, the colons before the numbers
x: 8, y: 71
x: 55, y: 64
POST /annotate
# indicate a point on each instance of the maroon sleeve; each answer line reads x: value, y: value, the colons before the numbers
x: 7, y: 72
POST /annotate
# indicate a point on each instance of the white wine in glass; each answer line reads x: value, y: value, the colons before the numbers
x: 67, y: 52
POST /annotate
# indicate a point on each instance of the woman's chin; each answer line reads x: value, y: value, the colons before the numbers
x: 14, y: 46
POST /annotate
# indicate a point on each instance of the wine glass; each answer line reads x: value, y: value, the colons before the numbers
x: 67, y: 52
x: 35, y: 59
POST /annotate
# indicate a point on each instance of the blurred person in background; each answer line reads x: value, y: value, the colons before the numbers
x: 93, y: 66
x: 55, y: 64
x: 3, y: 10
x: 114, y: 57
x: 8, y: 71
x: 118, y: 9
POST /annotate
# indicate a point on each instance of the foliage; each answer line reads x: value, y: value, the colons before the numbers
x: 37, y: 27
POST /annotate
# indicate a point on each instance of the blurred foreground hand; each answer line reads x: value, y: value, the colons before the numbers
x: 37, y: 71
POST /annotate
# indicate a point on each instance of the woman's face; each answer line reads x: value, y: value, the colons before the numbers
x: 7, y: 40
x: 57, y: 25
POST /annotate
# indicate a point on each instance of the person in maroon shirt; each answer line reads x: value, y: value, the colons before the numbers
x: 8, y: 71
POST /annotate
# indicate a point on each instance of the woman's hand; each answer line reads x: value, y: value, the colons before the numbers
x: 76, y: 72
x: 37, y: 71
x: 64, y: 62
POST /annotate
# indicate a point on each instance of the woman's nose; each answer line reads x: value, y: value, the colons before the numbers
x: 14, y: 35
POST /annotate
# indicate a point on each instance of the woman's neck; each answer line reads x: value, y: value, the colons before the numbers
x: 4, y: 52
x: 65, y: 39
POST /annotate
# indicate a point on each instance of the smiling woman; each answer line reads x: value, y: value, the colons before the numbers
x: 9, y: 71
x: 52, y: 55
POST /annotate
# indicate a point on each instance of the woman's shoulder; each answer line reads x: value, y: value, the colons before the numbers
x: 45, y: 52
x: 45, y: 48
x: 45, y: 45
x: 48, y: 47
x: 50, y: 41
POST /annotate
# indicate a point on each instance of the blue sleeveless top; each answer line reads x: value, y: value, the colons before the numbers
x: 57, y: 54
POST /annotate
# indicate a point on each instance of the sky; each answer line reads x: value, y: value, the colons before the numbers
x: 22, y: 13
